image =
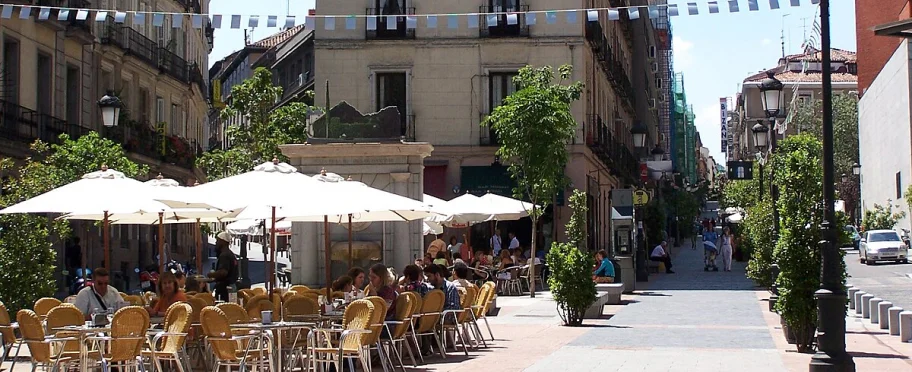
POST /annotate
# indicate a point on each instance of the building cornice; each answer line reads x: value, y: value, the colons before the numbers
x: 446, y: 42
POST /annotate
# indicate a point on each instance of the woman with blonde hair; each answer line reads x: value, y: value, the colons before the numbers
x: 382, y: 285
x: 168, y: 294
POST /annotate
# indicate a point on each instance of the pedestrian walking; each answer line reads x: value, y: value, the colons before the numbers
x: 725, y: 242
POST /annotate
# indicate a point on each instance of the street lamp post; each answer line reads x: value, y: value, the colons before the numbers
x: 856, y: 210
x: 110, y: 107
x: 771, y: 95
x: 639, y: 132
x: 831, y: 297
x: 761, y: 133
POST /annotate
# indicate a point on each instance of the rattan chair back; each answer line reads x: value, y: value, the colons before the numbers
x: 245, y: 295
x: 128, y: 333
x: 467, y: 299
x: 207, y: 297
x: 256, y: 305
x: 62, y: 316
x: 45, y: 304
x: 483, y: 293
x: 405, y: 308
x: 300, y: 306
x: 177, y: 320
x: 259, y: 291
x: 376, y: 322
x: 197, y: 305
x: 33, y: 335
x: 235, y: 313
x: 299, y: 288
x: 357, y: 316
x: 430, y: 310
x: 216, y: 327
x: 9, y: 337
x: 134, y: 300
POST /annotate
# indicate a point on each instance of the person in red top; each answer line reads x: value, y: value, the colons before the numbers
x: 168, y: 294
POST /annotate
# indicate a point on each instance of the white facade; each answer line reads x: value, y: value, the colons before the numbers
x: 884, y: 146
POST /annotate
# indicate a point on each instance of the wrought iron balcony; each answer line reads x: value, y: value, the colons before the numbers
x: 196, y: 77
x: 173, y: 65
x: 135, y: 44
x: 499, y: 26
x: 21, y: 124
x: 391, y: 24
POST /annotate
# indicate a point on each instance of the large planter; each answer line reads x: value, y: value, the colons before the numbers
x: 790, y: 335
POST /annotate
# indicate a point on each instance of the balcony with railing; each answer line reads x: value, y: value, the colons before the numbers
x: 391, y: 24
x: 196, y: 77
x: 498, y: 21
x: 606, y: 145
x: 135, y: 44
x: 612, y: 67
x: 140, y: 138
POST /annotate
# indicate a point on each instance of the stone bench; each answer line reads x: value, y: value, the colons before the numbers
x: 905, y: 326
x: 606, y: 294
x: 653, y: 266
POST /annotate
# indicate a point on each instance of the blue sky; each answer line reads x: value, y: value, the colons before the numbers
x: 715, y: 52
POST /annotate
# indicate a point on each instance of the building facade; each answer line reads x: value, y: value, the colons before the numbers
x: 53, y: 72
x: 801, y: 76
x: 444, y: 81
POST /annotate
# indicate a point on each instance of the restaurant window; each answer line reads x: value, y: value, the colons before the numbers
x: 72, y: 94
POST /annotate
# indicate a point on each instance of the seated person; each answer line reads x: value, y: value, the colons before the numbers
x: 441, y: 259
x: 457, y: 258
x: 660, y: 254
x: 605, y: 272
x: 181, y: 280
x: 461, y: 273
x: 192, y: 285
x: 505, y: 259
x: 436, y: 276
x: 100, y: 295
x: 168, y: 294
x: 343, y: 284
x: 518, y: 257
x: 413, y: 280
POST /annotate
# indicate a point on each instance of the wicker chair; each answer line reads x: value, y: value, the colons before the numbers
x: 7, y: 333
x: 256, y: 305
x: 245, y: 295
x: 233, y: 350
x: 62, y: 316
x: 425, y: 322
x: 377, y: 324
x: 170, y: 344
x: 123, y: 347
x: 468, y: 321
x: 39, y: 344
x: 530, y: 282
x: 406, y: 305
x: 259, y: 291
x: 235, y: 313
x: 355, y: 330
x: 299, y: 288
x: 207, y: 297
x: 299, y: 308
x: 195, y: 343
x: 147, y: 297
x: 45, y: 304
x: 134, y: 300
x: 483, y: 304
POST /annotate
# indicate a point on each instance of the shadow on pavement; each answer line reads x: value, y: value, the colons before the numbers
x: 877, y: 355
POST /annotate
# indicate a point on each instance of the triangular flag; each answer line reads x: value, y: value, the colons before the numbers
x: 411, y: 22
x: 177, y: 21
x: 120, y: 17
x: 550, y: 17
x: 752, y: 4
x: 571, y: 16
x: 391, y: 23
x: 713, y: 7
x: 25, y: 12
x: 796, y: 2
x: 216, y: 20
x: 272, y: 21
x: 633, y: 13
x: 290, y: 21
x: 592, y: 15
x: 531, y: 19
x: 431, y: 21
x: 329, y: 23
x: 733, y: 6
x: 653, y: 12
x: 140, y: 18
x: 472, y: 20
x: 512, y: 19
x: 7, y: 11
x: 491, y: 20
x: 235, y: 21
x: 371, y: 23
x: 452, y: 21
x: 99, y: 16
x: 350, y: 22
x: 613, y: 15
x: 692, y: 9
x: 673, y: 10
x: 44, y: 14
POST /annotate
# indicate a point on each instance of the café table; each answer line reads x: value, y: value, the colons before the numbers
x: 86, y: 330
x: 277, y: 328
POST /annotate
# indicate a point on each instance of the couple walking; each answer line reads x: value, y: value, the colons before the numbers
x: 724, y: 243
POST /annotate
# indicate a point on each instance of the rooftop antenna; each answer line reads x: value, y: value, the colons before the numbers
x: 782, y: 35
x: 246, y: 37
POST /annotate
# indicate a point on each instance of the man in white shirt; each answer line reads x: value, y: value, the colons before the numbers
x: 659, y: 254
x: 496, y: 243
x: 514, y: 243
x: 100, y: 295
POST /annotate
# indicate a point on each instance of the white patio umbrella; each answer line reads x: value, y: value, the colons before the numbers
x: 106, y: 193
x: 252, y: 227
x: 507, y: 209
x: 161, y: 188
x: 465, y: 210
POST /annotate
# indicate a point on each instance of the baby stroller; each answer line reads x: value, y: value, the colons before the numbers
x: 709, y: 256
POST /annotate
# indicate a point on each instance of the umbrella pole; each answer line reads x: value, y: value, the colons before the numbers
x: 106, y: 239
x: 327, y: 258
x: 161, y: 243
x: 350, y: 260
x: 83, y: 252
x: 272, y: 252
x: 199, y: 248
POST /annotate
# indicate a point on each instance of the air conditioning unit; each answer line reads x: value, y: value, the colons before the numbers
x: 652, y: 51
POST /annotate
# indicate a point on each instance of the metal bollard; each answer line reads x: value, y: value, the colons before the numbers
x: 852, y: 292
x: 874, y: 313
x: 883, y: 315
x: 905, y: 326
x: 866, y: 305
x: 894, y: 320
x: 858, y: 301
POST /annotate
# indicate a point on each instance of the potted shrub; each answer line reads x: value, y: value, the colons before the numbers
x: 570, y: 280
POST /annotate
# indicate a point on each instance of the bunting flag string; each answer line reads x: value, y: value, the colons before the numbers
x: 349, y: 22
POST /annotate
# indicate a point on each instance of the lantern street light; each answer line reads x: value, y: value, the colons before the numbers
x: 771, y: 94
x: 856, y: 169
x: 761, y: 136
x: 110, y: 107
x: 844, y: 178
x: 658, y: 153
x: 639, y: 132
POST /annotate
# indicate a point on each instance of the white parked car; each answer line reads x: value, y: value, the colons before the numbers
x: 882, y: 245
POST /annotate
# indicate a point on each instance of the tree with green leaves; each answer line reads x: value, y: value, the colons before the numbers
x: 259, y: 127
x: 882, y: 217
x: 33, y: 236
x: 535, y: 126
x: 571, y: 281
x: 808, y: 118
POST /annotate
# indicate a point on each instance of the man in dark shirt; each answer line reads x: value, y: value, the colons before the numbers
x: 436, y: 276
x: 226, y: 271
